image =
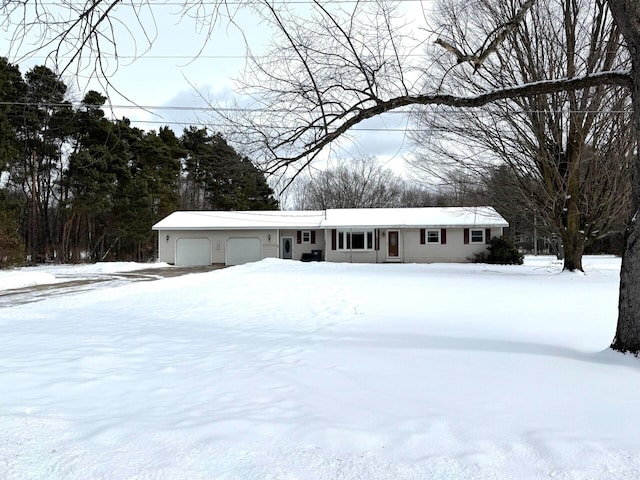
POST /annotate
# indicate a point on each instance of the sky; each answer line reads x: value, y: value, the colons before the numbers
x: 178, y: 69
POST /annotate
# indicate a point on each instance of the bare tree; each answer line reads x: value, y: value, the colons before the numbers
x: 416, y: 195
x: 358, y: 183
x: 568, y: 155
x: 337, y: 68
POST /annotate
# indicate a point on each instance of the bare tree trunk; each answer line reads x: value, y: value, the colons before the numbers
x: 572, y: 233
x: 627, y: 339
x: 35, y: 234
x: 573, y: 251
x: 64, y: 239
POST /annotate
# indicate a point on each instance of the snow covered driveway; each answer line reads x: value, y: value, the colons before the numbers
x: 33, y: 284
x: 324, y: 371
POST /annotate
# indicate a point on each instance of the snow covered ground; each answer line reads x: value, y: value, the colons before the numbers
x: 281, y: 370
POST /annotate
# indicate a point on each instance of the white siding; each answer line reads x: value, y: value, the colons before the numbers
x: 301, y: 248
x: 411, y: 251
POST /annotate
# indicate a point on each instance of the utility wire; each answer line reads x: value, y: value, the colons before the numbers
x: 226, y: 2
x: 458, y: 110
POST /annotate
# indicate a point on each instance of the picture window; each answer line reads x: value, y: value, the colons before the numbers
x: 356, y: 240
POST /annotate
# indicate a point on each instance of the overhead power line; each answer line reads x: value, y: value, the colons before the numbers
x: 178, y: 57
x: 204, y: 124
x: 226, y: 2
x: 160, y: 57
x: 189, y: 108
x: 162, y: 107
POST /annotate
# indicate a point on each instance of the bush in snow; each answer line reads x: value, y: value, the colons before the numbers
x: 501, y: 251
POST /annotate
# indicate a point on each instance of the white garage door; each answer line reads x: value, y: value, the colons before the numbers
x: 243, y: 250
x: 193, y: 251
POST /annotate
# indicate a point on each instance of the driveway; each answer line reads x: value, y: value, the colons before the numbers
x: 77, y: 284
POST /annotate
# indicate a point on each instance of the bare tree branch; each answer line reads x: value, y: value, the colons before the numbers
x: 343, y: 122
x: 494, y: 39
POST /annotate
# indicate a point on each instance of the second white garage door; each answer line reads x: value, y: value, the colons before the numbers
x: 243, y: 250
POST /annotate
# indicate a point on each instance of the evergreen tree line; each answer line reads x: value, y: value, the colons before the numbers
x: 77, y: 186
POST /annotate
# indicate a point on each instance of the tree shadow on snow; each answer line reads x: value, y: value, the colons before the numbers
x: 468, y: 344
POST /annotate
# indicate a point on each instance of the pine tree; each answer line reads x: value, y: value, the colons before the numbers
x: 42, y: 130
x: 218, y: 178
x: 99, y: 159
x: 149, y: 193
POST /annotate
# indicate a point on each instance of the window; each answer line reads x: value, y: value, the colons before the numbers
x: 477, y: 236
x: 433, y: 236
x: 306, y: 236
x: 356, y: 240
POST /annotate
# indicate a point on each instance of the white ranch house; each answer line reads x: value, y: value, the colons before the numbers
x: 373, y: 235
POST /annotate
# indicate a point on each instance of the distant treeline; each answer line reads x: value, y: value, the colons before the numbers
x: 76, y: 186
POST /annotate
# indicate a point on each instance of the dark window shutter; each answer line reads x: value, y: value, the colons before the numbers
x: 466, y: 236
x: 377, y: 247
x: 487, y: 235
x: 313, y: 236
x: 423, y: 235
x: 299, y: 236
x: 443, y: 236
x: 333, y: 239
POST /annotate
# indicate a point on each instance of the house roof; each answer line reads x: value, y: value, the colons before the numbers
x: 440, y: 217
x: 414, y: 217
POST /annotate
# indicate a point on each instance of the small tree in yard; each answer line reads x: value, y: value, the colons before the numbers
x: 502, y: 251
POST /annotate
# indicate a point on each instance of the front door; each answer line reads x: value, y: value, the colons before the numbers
x: 286, y: 248
x: 392, y: 243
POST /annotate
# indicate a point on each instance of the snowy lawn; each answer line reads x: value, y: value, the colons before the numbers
x: 283, y: 369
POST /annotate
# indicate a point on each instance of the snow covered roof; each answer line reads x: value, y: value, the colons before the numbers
x: 414, y: 217
x: 222, y: 220
x: 441, y: 217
